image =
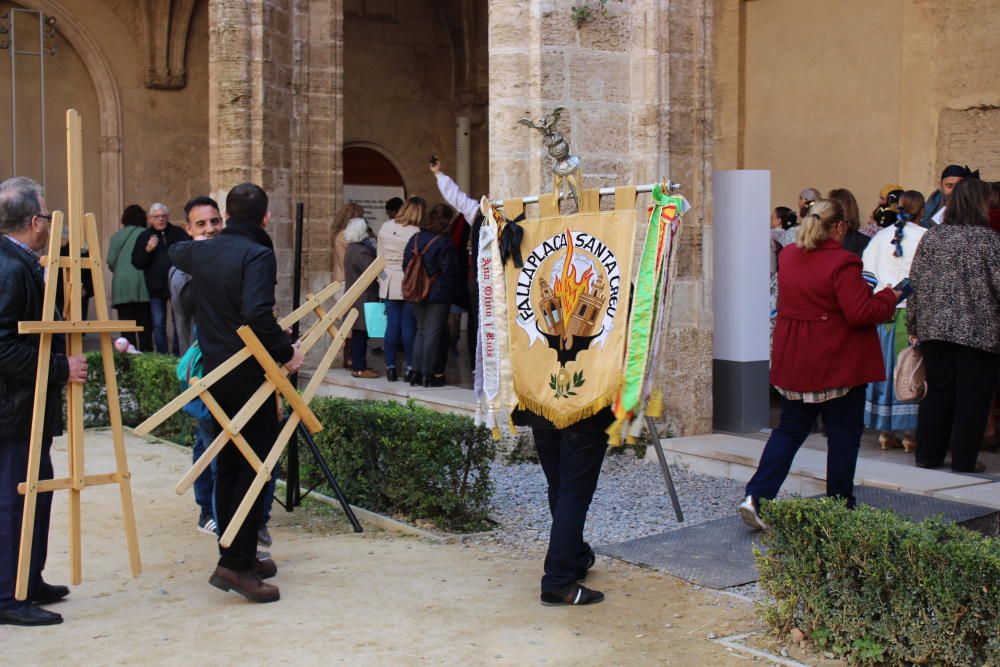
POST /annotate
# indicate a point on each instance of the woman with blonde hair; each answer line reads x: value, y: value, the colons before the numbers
x: 347, y: 212
x: 887, y: 261
x: 825, y: 352
x: 400, y: 325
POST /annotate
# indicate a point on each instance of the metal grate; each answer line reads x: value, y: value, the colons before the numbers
x: 719, y: 553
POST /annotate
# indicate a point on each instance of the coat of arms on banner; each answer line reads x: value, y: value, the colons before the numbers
x: 568, y: 310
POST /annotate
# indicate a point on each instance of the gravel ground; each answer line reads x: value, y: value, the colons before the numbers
x: 631, y: 502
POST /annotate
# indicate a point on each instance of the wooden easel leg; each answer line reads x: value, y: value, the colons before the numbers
x: 121, y: 460
x: 34, y: 461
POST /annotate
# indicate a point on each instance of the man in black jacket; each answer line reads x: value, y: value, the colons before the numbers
x: 233, y: 278
x: 24, y: 233
x: 150, y: 255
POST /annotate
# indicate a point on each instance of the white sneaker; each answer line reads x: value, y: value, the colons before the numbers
x: 751, y: 517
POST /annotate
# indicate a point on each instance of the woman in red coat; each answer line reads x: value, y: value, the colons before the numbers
x: 825, y: 351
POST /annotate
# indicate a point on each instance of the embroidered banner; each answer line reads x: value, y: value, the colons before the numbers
x: 649, y: 317
x: 568, y: 311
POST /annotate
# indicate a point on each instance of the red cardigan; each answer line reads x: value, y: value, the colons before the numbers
x: 825, y: 334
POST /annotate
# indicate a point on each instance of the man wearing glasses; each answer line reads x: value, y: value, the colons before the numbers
x: 24, y: 234
x: 150, y: 256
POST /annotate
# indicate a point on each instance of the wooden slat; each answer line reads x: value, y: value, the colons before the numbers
x: 47, y: 485
x: 191, y: 393
x: 81, y: 327
x: 63, y: 262
x: 264, y: 474
x: 310, y: 303
x: 114, y: 406
x: 274, y: 374
x: 223, y: 420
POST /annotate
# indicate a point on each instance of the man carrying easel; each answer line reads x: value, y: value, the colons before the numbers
x: 24, y: 233
x: 233, y: 277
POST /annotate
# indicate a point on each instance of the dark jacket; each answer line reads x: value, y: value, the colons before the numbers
x: 357, y: 258
x: 155, y: 265
x: 21, y: 289
x: 956, y: 287
x: 440, y: 263
x: 856, y: 242
x: 825, y: 337
x: 233, y: 277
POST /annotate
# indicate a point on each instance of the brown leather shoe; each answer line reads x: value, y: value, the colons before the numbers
x: 244, y: 582
x: 265, y: 569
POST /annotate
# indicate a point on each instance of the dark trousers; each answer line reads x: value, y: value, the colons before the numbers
x: 205, y: 431
x: 432, y: 326
x: 13, y: 471
x: 233, y: 475
x: 143, y: 316
x: 960, y: 385
x: 844, y: 421
x: 571, y: 461
x: 359, y: 350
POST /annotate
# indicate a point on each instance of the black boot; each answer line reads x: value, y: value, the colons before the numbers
x: 417, y: 379
x: 390, y: 374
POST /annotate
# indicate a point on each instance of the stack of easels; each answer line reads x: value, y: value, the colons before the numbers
x: 275, y: 383
x: 82, y: 229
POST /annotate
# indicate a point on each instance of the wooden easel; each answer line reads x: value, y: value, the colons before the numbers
x: 81, y: 227
x: 275, y: 382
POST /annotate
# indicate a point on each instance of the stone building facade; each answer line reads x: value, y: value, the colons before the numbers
x: 181, y: 97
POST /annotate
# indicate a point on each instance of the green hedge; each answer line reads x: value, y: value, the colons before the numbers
x: 407, y: 461
x: 874, y: 588
x: 146, y: 382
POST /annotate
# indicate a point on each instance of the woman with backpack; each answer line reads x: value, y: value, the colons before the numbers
x: 430, y: 280
x: 400, y: 325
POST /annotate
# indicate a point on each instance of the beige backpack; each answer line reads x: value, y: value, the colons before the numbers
x: 910, y: 377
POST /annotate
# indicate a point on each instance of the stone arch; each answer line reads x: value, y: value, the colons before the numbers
x: 398, y: 163
x: 108, y: 100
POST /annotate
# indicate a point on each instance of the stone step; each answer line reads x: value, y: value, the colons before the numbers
x: 736, y: 457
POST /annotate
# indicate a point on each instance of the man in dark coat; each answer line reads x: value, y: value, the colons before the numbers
x: 150, y: 255
x: 233, y: 277
x: 24, y: 233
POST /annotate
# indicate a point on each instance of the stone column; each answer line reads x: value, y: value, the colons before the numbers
x: 275, y: 118
x: 635, y: 83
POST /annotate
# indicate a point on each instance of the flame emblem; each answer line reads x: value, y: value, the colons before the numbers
x: 568, y: 287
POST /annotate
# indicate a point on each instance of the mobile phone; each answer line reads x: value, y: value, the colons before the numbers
x: 904, y: 286
x: 433, y: 160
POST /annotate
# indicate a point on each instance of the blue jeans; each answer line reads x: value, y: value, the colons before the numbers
x: 158, y: 306
x: 205, y: 431
x: 844, y: 421
x: 13, y: 466
x: 400, y: 323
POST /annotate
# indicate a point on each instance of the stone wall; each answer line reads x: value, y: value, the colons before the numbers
x: 635, y: 84
x: 907, y: 87
x: 275, y: 99
x: 404, y: 86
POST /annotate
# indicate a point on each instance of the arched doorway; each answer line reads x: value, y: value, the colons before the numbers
x: 82, y: 80
x: 371, y: 179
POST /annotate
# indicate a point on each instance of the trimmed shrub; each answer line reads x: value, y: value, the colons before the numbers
x: 146, y: 382
x: 406, y: 460
x: 874, y: 588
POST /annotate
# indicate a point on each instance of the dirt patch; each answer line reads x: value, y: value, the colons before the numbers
x: 374, y: 598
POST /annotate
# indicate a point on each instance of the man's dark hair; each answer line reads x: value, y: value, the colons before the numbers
x: 200, y: 200
x: 247, y: 202
x: 392, y: 206
x: 969, y: 205
x: 20, y: 200
x: 134, y: 216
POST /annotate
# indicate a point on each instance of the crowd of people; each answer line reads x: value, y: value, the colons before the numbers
x: 425, y: 327
x: 849, y: 298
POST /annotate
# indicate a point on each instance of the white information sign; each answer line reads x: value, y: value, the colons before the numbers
x: 373, y: 198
